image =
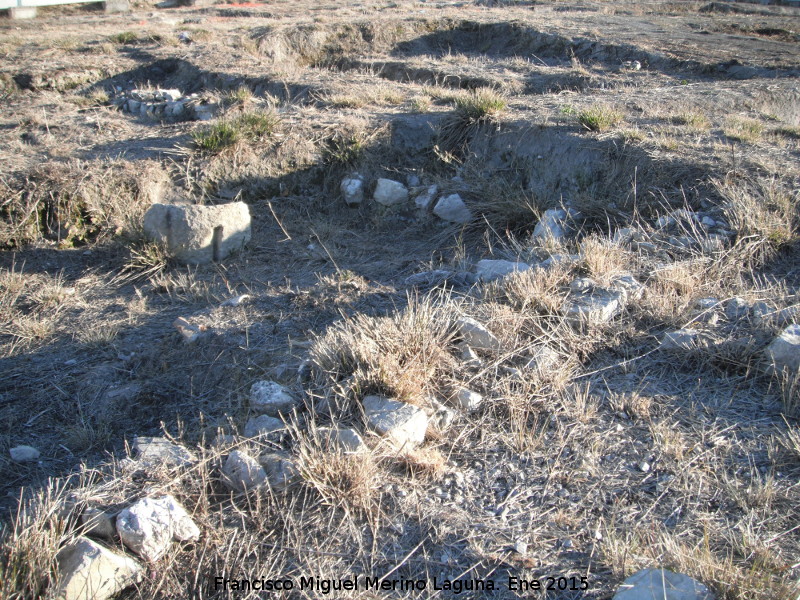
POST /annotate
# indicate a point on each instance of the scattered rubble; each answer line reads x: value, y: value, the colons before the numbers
x: 166, y: 104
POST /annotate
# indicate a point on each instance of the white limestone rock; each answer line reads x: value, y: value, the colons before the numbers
x: 149, y: 526
x: 467, y: 399
x: 476, y: 335
x: 489, y: 270
x: 424, y: 200
x: 352, y: 189
x: 156, y: 451
x: 271, y: 398
x: 552, y: 225
x: 660, y: 584
x: 452, y: 208
x: 262, y: 425
x: 594, y: 307
x: 282, y: 472
x: 402, y: 424
x: 682, y: 339
x: 89, y: 571
x: 242, y: 472
x: 197, y: 234
x: 783, y: 352
x: 340, y: 439
x: 389, y: 192
x: 24, y: 454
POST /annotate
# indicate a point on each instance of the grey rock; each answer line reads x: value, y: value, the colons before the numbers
x: 629, y: 286
x: 467, y: 399
x: 660, y: 584
x: 440, y: 417
x: 781, y: 318
x: 155, y: 451
x: 150, y: 525
x: 708, y: 222
x: 190, y: 332
x: 401, y: 423
x: 784, y: 352
x: 565, y: 260
x: 470, y: 358
x: 582, y: 284
x: 281, y: 470
x: 98, y: 523
x: 429, y: 278
x: 352, y: 189
x: 424, y: 200
x: 707, y: 303
x: 489, y: 270
x: 389, y: 192
x: 681, y: 339
x: 736, y: 309
x: 199, y: 234
x: 24, y: 454
x: 543, y: 358
x: 551, y: 225
x: 340, y: 439
x: 452, y: 208
x: 262, y: 425
x: 271, y: 398
x: 476, y: 335
x: 89, y: 571
x: 242, y: 472
x: 595, y: 307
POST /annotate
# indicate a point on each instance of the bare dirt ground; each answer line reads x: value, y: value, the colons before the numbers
x: 622, y: 455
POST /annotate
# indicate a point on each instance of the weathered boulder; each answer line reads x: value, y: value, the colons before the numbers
x: 157, y: 451
x: 271, y: 398
x: 476, y: 335
x: 401, y: 423
x: 262, y: 425
x: 197, y: 234
x: 660, y: 584
x: 89, y: 571
x: 489, y: 270
x: 242, y: 472
x: 352, y: 189
x: 452, y: 208
x: 784, y: 352
x: 389, y: 192
x: 149, y: 526
x: 23, y: 454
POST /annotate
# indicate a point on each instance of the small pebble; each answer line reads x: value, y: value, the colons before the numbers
x: 644, y: 466
x: 567, y: 543
x: 520, y: 547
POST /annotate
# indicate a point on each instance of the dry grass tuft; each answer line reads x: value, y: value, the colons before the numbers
x: 344, y: 481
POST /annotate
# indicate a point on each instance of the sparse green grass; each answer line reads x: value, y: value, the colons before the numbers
x: 744, y: 129
x: 125, y: 37
x: 599, y: 117
x: 694, y: 120
x: 480, y: 105
x: 251, y: 127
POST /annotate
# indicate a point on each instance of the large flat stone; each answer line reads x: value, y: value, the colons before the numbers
x: 199, y: 234
x: 660, y: 584
x: 89, y: 571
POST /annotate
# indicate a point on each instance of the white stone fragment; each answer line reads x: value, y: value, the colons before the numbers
x: 149, y: 526
x: 271, y: 398
x: 389, y: 192
x: 89, y: 571
x: 452, y: 208
x: 476, y: 335
x: 489, y: 270
x: 403, y: 424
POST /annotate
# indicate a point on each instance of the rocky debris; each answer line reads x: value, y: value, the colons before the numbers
x: 242, y: 472
x: 98, y: 523
x: 281, y: 470
x: 489, y: 270
x: 401, y: 423
x: 24, y: 454
x: 707, y: 303
x: 352, y: 189
x: 89, y: 571
x: 593, y: 306
x: 452, y: 208
x: 149, y: 526
x: 197, y: 234
x: 271, y: 398
x: 681, y: 339
x: 629, y: 286
x: 543, y: 358
x: 736, y: 309
x: 262, y: 425
x: 784, y: 352
x: 340, y: 439
x: 582, y: 284
x: 467, y: 399
x: 190, y: 332
x: 660, y: 584
x: 424, y: 200
x: 122, y: 394
x: 157, y: 451
x: 161, y: 103
x: 476, y: 335
x: 552, y: 225
x: 631, y: 65
x: 763, y: 313
x: 389, y: 192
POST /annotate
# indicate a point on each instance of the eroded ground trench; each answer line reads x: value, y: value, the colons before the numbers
x: 669, y: 137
